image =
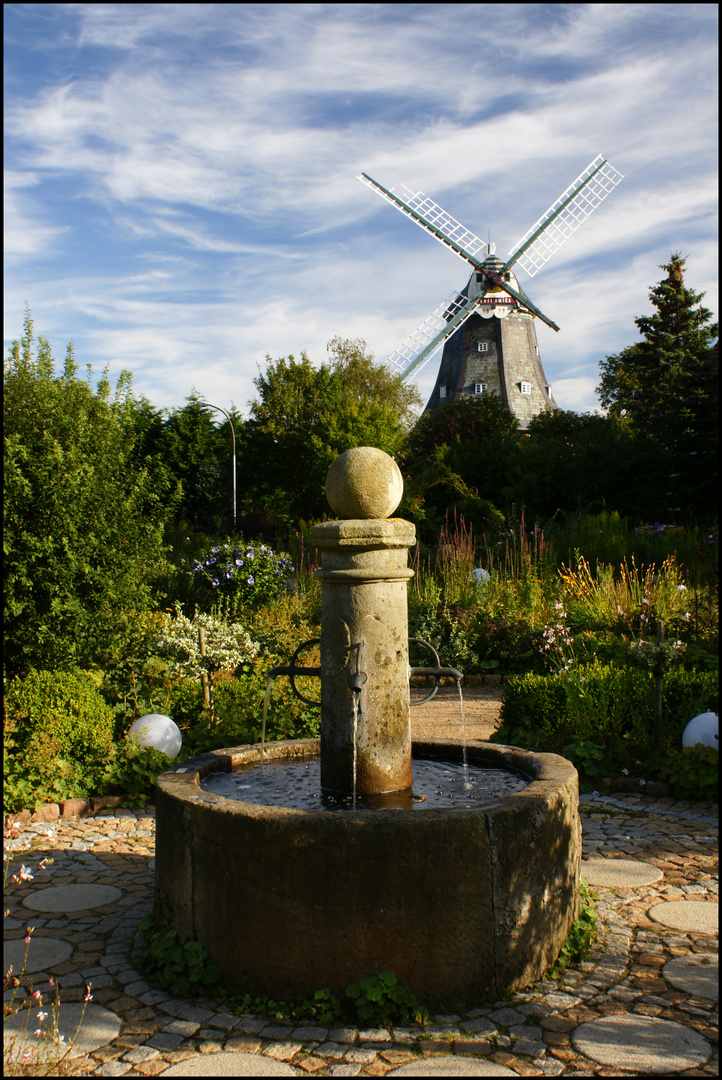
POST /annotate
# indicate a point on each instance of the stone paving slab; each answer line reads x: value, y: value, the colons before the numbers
x: 697, y: 975
x: 616, y: 872
x: 445, y: 1065
x: 687, y: 915
x: 40, y: 954
x: 98, y: 1028
x: 73, y: 897
x: 225, y: 1064
x: 641, y: 1044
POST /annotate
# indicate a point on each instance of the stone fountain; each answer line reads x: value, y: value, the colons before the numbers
x: 464, y: 905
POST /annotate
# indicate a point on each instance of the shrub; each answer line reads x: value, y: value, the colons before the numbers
x: 133, y: 770
x: 238, y: 710
x: 694, y: 773
x: 242, y: 574
x: 66, y: 706
x: 83, y: 518
x: 227, y: 645
x: 600, y: 708
x: 58, y: 739
x: 509, y: 640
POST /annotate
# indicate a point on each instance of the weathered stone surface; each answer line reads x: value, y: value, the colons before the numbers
x: 364, y: 483
x: 697, y: 974
x: 364, y: 634
x: 72, y: 897
x: 40, y: 954
x: 72, y: 808
x: 641, y: 1044
x: 687, y: 915
x: 359, y: 890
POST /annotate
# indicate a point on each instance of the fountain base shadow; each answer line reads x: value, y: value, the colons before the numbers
x: 464, y: 906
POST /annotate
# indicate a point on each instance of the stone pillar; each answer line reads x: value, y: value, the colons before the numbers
x: 365, y: 632
x: 364, y: 627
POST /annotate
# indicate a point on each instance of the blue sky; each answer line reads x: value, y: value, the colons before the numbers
x: 181, y: 195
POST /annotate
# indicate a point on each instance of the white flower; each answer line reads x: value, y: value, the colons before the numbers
x: 226, y: 644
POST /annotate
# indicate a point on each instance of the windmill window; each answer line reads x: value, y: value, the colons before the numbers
x: 442, y: 392
x: 480, y: 388
x: 525, y: 387
x: 482, y: 346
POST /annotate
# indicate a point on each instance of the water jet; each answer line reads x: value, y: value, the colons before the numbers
x: 465, y: 903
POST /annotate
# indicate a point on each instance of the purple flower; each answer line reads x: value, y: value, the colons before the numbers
x: 239, y: 562
x: 251, y: 580
x: 216, y: 581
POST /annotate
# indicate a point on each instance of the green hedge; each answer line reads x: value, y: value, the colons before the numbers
x: 610, y: 707
x: 58, y: 738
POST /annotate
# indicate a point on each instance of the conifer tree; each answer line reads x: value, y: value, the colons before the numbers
x: 664, y: 385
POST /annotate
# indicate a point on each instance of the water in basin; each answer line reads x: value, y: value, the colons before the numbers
x: 296, y: 785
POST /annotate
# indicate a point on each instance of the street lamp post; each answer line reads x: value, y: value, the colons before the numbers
x: 233, y: 434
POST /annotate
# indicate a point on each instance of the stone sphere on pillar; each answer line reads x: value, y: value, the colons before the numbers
x: 364, y: 483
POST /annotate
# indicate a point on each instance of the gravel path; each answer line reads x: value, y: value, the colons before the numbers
x: 440, y: 718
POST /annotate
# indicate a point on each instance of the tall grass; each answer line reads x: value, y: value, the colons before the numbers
x: 635, y: 598
x: 618, y: 593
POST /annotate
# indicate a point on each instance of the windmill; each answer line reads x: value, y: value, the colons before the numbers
x: 487, y: 329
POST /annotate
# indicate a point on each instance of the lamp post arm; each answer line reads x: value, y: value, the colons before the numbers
x: 233, y: 437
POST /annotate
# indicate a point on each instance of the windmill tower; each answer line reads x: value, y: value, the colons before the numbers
x: 487, y: 330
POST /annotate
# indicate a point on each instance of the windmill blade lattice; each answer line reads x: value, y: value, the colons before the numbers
x: 423, y: 343
x: 565, y: 216
x: 434, y: 219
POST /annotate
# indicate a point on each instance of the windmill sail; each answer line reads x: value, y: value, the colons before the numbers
x: 434, y: 219
x: 423, y: 343
x: 565, y: 216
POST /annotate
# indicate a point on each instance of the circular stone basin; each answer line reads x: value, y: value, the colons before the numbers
x: 462, y: 905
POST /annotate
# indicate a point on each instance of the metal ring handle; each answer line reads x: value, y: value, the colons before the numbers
x: 420, y: 641
x: 304, y: 645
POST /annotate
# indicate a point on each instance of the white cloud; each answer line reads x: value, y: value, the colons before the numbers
x: 188, y: 203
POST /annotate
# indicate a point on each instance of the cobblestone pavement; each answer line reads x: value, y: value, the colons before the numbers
x: 537, y: 1032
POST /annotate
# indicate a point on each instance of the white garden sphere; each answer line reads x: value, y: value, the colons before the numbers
x: 480, y: 574
x: 158, y: 731
x: 703, y: 729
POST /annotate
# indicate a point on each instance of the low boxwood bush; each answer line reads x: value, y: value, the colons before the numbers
x: 603, y: 715
x: 58, y: 738
x: 66, y: 705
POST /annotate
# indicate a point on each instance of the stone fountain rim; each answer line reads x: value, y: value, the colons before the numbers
x: 552, y: 772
